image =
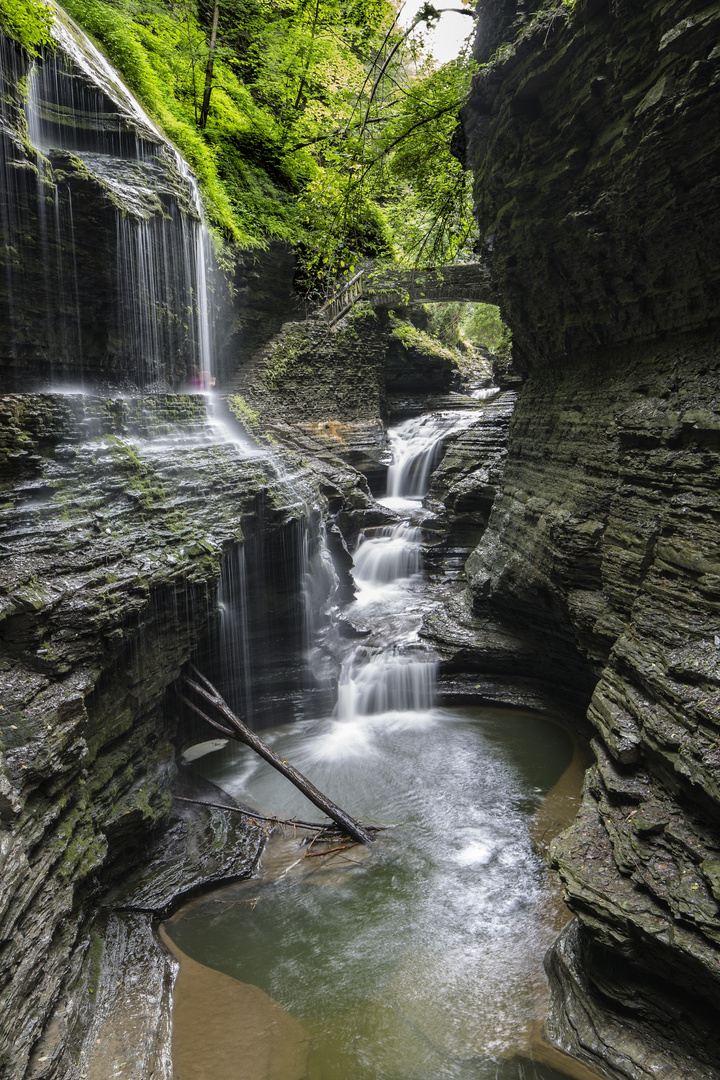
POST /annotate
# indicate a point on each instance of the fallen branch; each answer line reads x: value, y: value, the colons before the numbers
x: 330, y: 851
x: 238, y: 730
x: 312, y: 826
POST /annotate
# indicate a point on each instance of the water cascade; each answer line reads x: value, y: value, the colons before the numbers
x: 417, y: 446
x: 421, y: 958
x: 119, y: 251
x: 392, y: 552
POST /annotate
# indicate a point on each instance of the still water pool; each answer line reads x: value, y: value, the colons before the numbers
x: 419, y: 958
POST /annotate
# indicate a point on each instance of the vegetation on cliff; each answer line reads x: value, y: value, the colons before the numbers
x: 321, y: 123
x: 27, y: 21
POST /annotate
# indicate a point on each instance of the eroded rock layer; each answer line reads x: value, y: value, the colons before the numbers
x: 118, y: 517
x: 593, y: 132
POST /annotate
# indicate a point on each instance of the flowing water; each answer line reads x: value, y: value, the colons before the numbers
x: 134, y: 305
x: 420, y: 957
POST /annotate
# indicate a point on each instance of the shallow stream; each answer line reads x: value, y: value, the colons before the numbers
x: 420, y: 956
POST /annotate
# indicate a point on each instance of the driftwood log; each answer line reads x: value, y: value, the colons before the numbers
x: 234, y: 728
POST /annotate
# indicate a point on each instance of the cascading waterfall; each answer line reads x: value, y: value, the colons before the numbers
x: 417, y: 446
x: 375, y: 683
x: 393, y: 552
x: 101, y: 161
x: 392, y: 671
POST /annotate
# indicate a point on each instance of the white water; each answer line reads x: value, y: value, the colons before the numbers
x: 392, y: 671
x: 159, y: 257
x: 392, y: 553
x: 417, y: 446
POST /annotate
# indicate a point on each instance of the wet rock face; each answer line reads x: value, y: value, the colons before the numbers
x: 263, y: 299
x: 602, y: 546
x: 463, y: 487
x: 606, y: 527
x: 116, y: 517
x: 103, y: 251
x: 595, y: 169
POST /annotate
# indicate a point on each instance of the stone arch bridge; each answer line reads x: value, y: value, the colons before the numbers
x: 459, y: 282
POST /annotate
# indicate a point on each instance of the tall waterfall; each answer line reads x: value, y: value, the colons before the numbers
x: 110, y: 238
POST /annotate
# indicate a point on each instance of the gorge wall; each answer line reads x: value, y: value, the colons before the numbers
x: 127, y: 519
x: 592, y: 131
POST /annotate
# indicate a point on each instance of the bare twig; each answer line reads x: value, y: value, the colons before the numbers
x: 252, y: 814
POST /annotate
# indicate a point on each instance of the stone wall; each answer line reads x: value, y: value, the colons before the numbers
x: 593, y: 134
x: 116, y: 517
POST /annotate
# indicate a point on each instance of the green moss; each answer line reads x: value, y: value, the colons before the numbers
x: 247, y: 416
x: 288, y: 359
x: 151, y: 492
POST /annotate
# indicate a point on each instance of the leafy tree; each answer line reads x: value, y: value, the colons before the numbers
x: 320, y: 122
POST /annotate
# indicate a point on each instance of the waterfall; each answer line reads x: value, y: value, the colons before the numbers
x: 392, y: 553
x: 417, y: 446
x: 122, y: 256
x: 234, y: 638
x: 273, y: 590
x: 378, y: 682
x: 392, y: 671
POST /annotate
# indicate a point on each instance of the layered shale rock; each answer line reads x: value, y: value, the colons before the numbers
x: 594, y: 139
x: 118, y: 516
x: 592, y: 131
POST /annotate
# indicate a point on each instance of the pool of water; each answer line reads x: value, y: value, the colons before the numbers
x: 420, y: 957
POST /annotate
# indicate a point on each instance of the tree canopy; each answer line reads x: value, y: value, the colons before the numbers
x: 320, y: 122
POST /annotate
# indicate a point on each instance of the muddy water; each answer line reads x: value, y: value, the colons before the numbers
x: 418, y: 959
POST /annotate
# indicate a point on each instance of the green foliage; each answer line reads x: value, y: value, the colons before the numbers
x: 432, y: 217
x: 326, y: 126
x: 469, y: 326
x: 147, y: 45
x: 28, y: 22
x: 481, y: 325
x: 429, y: 344
x: 444, y: 321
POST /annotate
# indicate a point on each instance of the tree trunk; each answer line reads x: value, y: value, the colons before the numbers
x: 205, y: 109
